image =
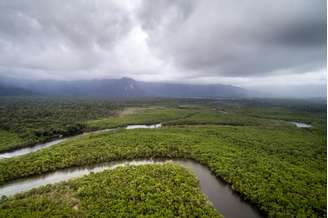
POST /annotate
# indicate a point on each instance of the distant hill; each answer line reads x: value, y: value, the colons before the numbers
x: 124, y: 87
x: 127, y: 87
x: 188, y: 90
x: 6, y: 90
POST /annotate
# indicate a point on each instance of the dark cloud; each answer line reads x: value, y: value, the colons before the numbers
x: 239, y: 38
x: 205, y: 41
x: 53, y: 35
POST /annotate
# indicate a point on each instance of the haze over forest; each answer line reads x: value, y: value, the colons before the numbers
x: 266, y: 48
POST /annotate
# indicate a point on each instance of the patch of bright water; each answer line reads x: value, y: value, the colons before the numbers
x: 301, y: 125
x: 27, y: 150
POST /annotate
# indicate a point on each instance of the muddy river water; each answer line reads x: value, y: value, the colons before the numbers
x: 223, y: 198
x: 226, y: 201
x: 27, y: 150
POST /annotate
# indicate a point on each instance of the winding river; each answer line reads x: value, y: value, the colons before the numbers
x: 220, y: 194
x: 226, y: 201
x: 27, y: 150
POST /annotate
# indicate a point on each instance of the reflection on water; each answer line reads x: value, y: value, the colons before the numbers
x: 27, y: 150
x: 227, y: 202
x: 22, y: 185
x: 301, y: 125
x: 39, y: 146
x: 220, y: 194
x: 154, y: 126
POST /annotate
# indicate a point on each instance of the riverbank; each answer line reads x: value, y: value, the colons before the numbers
x: 39, y: 146
x: 221, y: 196
x: 262, y: 167
x: 154, y: 190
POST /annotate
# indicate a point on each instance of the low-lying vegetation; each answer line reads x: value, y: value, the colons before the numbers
x: 144, y: 116
x: 282, y: 171
x: 9, y: 140
x: 149, y: 191
x: 205, y: 116
x: 29, y: 120
x: 248, y: 143
x: 36, y: 119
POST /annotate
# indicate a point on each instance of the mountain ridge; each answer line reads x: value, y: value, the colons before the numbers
x: 126, y: 87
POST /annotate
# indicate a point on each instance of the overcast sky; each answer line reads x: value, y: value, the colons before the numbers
x: 251, y: 43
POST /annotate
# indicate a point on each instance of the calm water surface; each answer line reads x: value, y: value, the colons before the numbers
x: 220, y: 194
x: 153, y: 126
x: 39, y: 146
x: 301, y: 125
x: 27, y: 150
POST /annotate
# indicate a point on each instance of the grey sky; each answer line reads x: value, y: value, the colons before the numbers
x: 251, y: 43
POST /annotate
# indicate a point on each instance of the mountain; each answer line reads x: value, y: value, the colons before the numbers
x: 124, y: 87
x: 127, y: 87
x: 188, y: 90
x: 6, y: 90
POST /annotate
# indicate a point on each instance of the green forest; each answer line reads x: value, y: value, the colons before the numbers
x: 249, y: 144
x: 149, y: 191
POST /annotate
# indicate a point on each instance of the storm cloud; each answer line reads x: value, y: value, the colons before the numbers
x: 228, y: 41
x: 239, y: 38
